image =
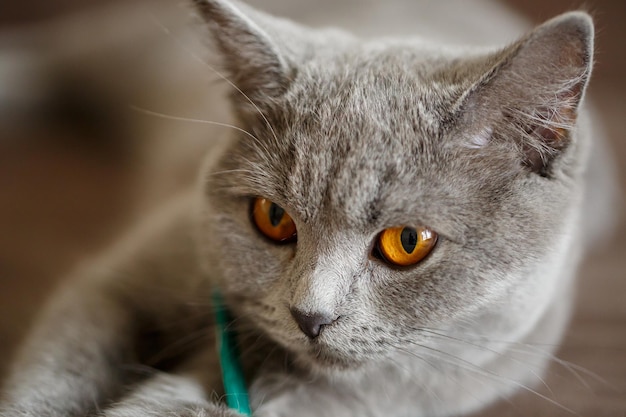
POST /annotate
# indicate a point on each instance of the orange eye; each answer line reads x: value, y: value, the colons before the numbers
x: 404, y: 246
x: 272, y: 220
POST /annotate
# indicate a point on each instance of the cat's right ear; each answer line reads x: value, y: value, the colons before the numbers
x: 531, y: 94
x: 253, y: 61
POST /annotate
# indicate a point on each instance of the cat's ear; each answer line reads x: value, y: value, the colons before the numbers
x: 532, y: 92
x: 253, y: 61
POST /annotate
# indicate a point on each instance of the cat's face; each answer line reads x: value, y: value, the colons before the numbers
x: 366, y: 140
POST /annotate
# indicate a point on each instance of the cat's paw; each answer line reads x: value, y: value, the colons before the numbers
x: 154, y: 411
x: 212, y: 412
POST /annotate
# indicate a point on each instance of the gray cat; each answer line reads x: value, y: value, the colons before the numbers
x: 393, y: 227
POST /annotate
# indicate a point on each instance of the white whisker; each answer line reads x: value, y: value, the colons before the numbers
x: 469, y: 366
x: 216, y: 72
x: 501, y: 354
x: 189, y: 119
x: 529, y: 349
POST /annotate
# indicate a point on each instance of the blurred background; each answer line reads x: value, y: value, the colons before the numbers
x: 78, y: 166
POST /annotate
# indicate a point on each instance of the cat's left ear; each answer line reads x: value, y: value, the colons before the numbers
x: 253, y: 60
x: 531, y: 94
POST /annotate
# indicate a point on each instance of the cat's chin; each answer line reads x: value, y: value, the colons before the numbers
x: 323, y: 359
x: 325, y: 362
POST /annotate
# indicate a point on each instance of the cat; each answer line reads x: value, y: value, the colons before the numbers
x: 390, y: 222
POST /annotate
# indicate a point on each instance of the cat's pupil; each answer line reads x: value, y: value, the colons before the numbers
x: 276, y: 214
x: 408, y: 238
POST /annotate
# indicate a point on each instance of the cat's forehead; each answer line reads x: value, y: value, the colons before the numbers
x: 384, y: 87
x: 362, y: 138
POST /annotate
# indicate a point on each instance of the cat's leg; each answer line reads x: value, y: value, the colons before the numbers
x: 188, y: 391
x: 137, y: 302
x: 69, y: 363
x: 168, y: 395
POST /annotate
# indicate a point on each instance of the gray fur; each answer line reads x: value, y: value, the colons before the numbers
x: 350, y: 137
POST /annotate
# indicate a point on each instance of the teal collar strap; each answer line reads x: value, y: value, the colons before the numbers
x: 232, y: 374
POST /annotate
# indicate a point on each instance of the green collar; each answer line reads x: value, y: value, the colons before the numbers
x: 232, y: 374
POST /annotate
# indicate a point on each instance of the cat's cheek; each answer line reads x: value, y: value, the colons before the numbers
x: 247, y: 262
x: 405, y: 292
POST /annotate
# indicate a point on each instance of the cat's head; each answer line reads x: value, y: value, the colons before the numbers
x: 383, y: 188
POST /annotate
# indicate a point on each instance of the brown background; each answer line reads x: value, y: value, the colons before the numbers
x: 61, y: 200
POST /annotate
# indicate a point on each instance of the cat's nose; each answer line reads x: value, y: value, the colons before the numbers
x: 311, y: 323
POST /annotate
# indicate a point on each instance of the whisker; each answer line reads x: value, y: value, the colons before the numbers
x: 416, y: 380
x: 449, y: 377
x: 501, y: 354
x: 218, y: 73
x: 190, y: 120
x: 469, y: 366
x: 534, y: 349
x: 230, y: 171
x: 153, y: 113
x: 187, y: 341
